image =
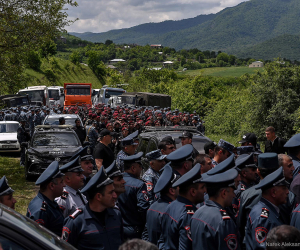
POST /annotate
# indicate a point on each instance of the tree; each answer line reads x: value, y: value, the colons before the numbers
x: 48, y: 49
x: 108, y: 42
x: 75, y: 57
x: 26, y: 25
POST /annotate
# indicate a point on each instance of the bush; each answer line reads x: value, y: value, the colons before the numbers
x: 50, y: 75
x: 75, y: 58
x: 34, y: 60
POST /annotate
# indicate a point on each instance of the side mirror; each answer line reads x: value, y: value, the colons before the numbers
x: 24, y: 144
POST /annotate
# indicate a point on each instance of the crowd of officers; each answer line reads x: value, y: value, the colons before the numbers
x: 227, y: 198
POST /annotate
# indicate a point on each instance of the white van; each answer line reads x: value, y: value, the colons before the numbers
x: 38, y: 95
x: 106, y: 92
x: 56, y: 95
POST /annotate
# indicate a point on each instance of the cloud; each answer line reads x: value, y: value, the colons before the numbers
x: 101, y: 16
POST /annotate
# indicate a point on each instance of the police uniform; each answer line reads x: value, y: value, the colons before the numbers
x: 151, y: 176
x: 85, y: 230
x: 22, y: 136
x: 211, y: 226
x: 41, y: 209
x: 37, y: 119
x: 157, y: 209
x: 295, y: 221
x: 31, y: 123
x: 292, y: 143
x: 264, y: 216
x: 176, y: 231
x: 134, y: 203
x: 127, y: 141
x: 71, y: 199
x: 93, y: 137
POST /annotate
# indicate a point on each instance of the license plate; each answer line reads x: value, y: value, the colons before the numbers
x: 8, y: 146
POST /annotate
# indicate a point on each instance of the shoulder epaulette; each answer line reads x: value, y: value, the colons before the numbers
x: 44, y: 206
x: 64, y: 195
x: 189, y: 209
x: 76, y: 213
x: 224, y: 214
x: 264, y: 213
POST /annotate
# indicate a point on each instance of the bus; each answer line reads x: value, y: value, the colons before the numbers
x: 77, y: 94
x: 56, y: 95
x: 106, y: 92
x: 38, y: 95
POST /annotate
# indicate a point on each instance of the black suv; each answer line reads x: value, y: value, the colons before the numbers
x: 151, y: 136
x: 49, y: 143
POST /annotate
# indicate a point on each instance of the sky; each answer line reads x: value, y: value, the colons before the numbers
x: 104, y: 15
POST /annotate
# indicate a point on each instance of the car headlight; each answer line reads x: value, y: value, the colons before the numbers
x: 33, y: 158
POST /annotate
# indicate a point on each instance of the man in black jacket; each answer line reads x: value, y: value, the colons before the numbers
x: 274, y: 143
x: 80, y: 131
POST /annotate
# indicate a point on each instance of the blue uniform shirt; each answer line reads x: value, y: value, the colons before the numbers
x: 262, y: 218
x: 151, y: 177
x: 47, y: 213
x: 154, y: 216
x: 133, y: 205
x: 212, y: 228
x: 176, y: 224
x: 295, y: 221
x: 83, y: 230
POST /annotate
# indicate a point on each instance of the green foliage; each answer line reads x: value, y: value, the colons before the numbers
x: 75, y: 57
x: 48, y: 49
x: 50, y: 75
x: 34, y: 60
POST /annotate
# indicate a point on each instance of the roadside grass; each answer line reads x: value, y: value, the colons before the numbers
x: 222, y: 71
x: 64, y: 71
x: 24, y: 191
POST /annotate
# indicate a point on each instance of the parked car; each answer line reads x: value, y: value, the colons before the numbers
x: 21, y: 233
x: 8, y: 137
x: 150, y: 138
x: 54, y: 119
x: 48, y: 144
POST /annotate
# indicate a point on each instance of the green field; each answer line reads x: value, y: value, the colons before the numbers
x: 222, y: 71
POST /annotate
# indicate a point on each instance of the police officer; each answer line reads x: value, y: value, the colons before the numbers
x: 30, y: 122
x: 98, y: 225
x: 134, y: 203
x: 22, y: 136
x: 222, y: 151
x: 293, y: 148
x: 128, y: 148
x: 43, y: 209
x: 211, y: 226
x: 186, y: 138
x: 248, y: 170
x: 176, y: 231
x: 156, y: 210
x: 181, y: 159
x: 157, y: 162
x: 86, y: 163
x: 117, y: 176
x: 6, y: 194
x: 80, y: 131
x: 72, y: 198
x: 37, y: 118
x: 93, y: 135
x: 265, y: 215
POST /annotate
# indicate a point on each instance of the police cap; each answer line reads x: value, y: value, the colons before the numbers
x: 166, y: 178
x: 85, y: 154
x: 113, y: 170
x: 186, y: 134
x: 134, y: 158
x: 268, y: 160
x: 245, y: 150
x: 184, y: 153
x: 5, y: 189
x: 225, y: 179
x: 226, y: 145
x: 293, y: 142
x: 72, y: 166
x: 51, y: 172
x: 98, y: 180
x: 245, y: 161
x: 274, y: 179
x: 155, y: 155
x: 192, y: 176
x: 223, y: 166
x: 127, y: 141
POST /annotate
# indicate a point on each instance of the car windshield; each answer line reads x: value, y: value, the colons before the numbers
x: 54, y: 121
x: 34, y: 95
x: 54, y: 94
x: 78, y: 91
x: 54, y: 139
x: 34, y: 229
x: 113, y: 92
x: 9, y: 128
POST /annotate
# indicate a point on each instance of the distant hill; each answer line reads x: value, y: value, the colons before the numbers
x: 233, y: 30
